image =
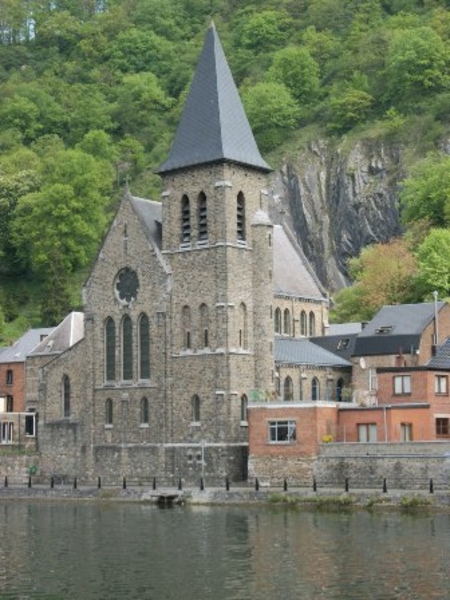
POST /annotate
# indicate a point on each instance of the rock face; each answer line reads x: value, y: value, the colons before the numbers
x: 338, y: 200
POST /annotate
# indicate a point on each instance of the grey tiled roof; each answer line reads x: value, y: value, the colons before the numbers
x: 344, y: 328
x: 64, y: 336
x: 150, y: 214
x: 213, y: 125
x: 341, y: 345
x: 24, y: 345
x: 442, y: 358
x: 402, y: 324
x: 291, y: 275
x: 300, y: 351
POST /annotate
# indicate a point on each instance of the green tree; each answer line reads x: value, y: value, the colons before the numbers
x: 264, y: 30
x: 426, y: 193
x: 298, y: 71
x: 348, y: 109
x: 433, y: 256
x: 417, y: 63
x: 272, y: 112
x: 384, y: 274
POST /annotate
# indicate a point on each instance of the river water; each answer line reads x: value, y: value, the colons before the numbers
x: 69, y: 550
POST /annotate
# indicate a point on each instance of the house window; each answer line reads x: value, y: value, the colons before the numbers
x: 339, y: 388
x: 109, y: 412
x: 367, y: 432
x: 110, y: 350
x: 402, y: 385
x: 343, y: 344
x: 303, y: 323
x: 6, y: 432
x: 9, y: 403
x: 144, y: 411
x: 287, y: 322
x: 244, y: 408
x: 240, y: 217
x: 185, y: 220
x: 442, y: 427
x: 315, y: 389
x: 202, y: 218
x: 288, y: 390
x: 144, y: 347
x: 283, y: 432
x: 127, y: 349
x: 373, y: 384
x: 312, y: 324
x: 66, y: 396
x: 195, y: 409
x: 441, y: 384
x: 9, y: 377
x: 30, y: 424
x: 406, y: 432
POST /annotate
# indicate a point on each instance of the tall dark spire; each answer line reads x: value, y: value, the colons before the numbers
x: 213, y: 125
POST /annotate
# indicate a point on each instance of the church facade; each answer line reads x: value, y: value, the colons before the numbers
x: 181, y: 309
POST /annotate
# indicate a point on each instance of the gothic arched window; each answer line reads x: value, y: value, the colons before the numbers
x: 287, y: 322
x: 277, y: 320
x: 185, y: 220
x: 303, y: 323
x: 144, y: 347
x: 186, y: 326
x: 109, y: 412
x: 312, y: 324
x: 204, y: 325
x: 243, y: 326
x: 202, y: 218
x: 244, y: 407
x: 110, y: 349
x: 315, y: 389
x: 127, y: 349
x: 145, y: 413
x: 288, y: 390
x: 196, y: 409
x: 240, y: 217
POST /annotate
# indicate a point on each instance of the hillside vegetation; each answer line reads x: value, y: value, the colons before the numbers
x: 91, y: 91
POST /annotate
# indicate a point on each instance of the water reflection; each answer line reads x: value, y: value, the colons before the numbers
x: 89, y: 551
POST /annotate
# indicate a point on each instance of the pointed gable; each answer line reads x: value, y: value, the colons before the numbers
x: 213, y: 125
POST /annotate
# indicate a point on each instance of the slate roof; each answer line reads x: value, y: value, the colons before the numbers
x: 18, y: 352
x: 64, y: 336
x: 150, y: 214
x: 395, y: 328
x: 442, y: 358
x: 341, y: 345
x: 213, y: 125
x: 300, y: 351
x: 344, y: 328
x: 291, y: 275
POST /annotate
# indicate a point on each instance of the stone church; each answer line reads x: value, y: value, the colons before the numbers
x: 181, y: 309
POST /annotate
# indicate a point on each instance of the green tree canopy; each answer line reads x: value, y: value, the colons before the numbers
x: 426, y: 193
x: 298, y: 71
x: 433, y: 256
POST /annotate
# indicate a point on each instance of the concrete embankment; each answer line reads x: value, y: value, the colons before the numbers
x: 332, y: 499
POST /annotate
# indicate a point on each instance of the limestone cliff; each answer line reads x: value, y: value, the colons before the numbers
x: 337, y: 200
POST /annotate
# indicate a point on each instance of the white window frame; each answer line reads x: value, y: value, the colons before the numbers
x: 367, y: 433
x: 402, y: 385
x: 282, y: 431
x: 441, y: 384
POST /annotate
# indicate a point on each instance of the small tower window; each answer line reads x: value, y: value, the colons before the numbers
x: 202, y: 218
x: 109, y: 412
x: 315, y: 389
x: 185, y: 220
x: 144, y: 411
x: 196, y: 409
x: 303, y: 323
x: 186, y: 327
x: 204, y: 324
x: 244, y: 408
x: 240, y: 217
x: 287, y: 322
x: 66, y: 396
